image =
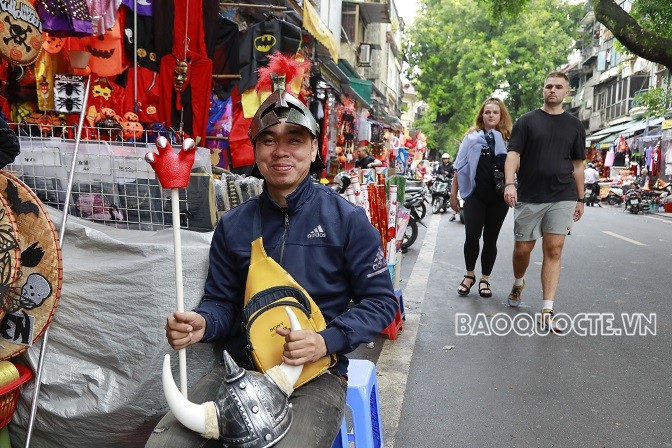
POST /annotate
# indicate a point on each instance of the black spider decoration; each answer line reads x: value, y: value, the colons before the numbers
x: 68, y: 103
x: 68, y: 88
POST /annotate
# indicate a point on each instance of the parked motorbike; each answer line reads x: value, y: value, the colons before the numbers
x: 416, y: 192
x: 441, y: 194
x: 633, y: 202
x: 591, y: 195
x: 615, y: 196
x: 413, y: 202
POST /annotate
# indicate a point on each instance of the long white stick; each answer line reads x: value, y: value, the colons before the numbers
x: 177, y: 243
x: 61, y: 236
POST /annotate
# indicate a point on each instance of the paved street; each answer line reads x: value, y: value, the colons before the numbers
x: 443, y: 390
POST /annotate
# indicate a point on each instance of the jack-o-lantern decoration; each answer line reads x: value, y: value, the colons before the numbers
x: 106, y: 52
x: 130, y: 116
x: 108, y: 124
x: 20, y: 32
x: 107, y: 112
x: 132, y: 127
x: 52, y: 44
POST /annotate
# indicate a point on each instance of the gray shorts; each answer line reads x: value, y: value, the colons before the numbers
x: 531, y: 221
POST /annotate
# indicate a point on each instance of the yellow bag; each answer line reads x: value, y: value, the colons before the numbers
x: 268, y: 290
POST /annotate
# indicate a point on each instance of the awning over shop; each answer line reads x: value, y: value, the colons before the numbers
x: 641, y: 125
x: 373, y: 12
x: 612, y: 129
x: 363, y: 88
x: 346, y: 86
x: 315, y: 26
x: 604, y: 138
x: 607, y: 141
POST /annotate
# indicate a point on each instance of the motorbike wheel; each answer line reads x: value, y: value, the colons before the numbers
x: 422, y: 210
x: 612, y: 200
x: 410, y: 235
x: 436, y: 205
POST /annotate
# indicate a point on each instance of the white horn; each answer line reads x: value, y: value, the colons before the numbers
x: 284, y: 375
x: 193, y: 416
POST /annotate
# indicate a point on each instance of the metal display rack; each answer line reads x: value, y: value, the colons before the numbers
x: 113, y: 184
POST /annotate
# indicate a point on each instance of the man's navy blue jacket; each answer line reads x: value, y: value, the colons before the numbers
x: 327, y: 245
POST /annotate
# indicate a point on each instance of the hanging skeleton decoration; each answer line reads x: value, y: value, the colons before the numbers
x: 251, y: 410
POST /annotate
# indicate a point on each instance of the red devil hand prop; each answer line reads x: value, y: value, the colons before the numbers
x: 172, y: 168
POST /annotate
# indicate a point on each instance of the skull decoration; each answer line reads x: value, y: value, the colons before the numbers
x: 36, y: 290
x: 251, y: 410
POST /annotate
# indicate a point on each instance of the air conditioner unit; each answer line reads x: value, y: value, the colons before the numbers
x: 365, y: 55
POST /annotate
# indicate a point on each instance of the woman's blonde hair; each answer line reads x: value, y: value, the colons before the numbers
x: 505, y: 124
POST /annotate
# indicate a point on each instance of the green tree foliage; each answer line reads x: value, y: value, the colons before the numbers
x: 657, y: 101
x: 460, y: 55
x: 646, y: 31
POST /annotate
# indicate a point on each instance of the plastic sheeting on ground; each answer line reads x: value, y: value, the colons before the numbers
x: 101, y: 383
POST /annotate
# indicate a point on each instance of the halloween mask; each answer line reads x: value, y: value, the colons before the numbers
x: 181, y: 76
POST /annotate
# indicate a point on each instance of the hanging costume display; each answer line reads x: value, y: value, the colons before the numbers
x: 147, y: 96
x: 185, y: 75
x: 51, y: 61
x: 227, y: 43
x: 144, y: 40
x: 103, y: 14
x: 65, y: 18
x: 194, y: 98
x: 259, y: 41
x: 107, y: 54
x: 219, y: 125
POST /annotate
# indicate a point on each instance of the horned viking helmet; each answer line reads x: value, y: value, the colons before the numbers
x: 251, y: 409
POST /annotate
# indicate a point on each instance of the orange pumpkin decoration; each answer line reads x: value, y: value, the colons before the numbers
x: 52, y: 44
x: 130, y: 116
x: 132, y: 129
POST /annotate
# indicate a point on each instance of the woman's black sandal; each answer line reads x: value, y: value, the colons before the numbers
x: 485, y: 291
x: 465, y: 292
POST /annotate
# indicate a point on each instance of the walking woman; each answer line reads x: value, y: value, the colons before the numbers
x: 482, y: 150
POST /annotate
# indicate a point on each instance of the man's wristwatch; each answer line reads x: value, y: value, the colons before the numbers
x: 582, y: 200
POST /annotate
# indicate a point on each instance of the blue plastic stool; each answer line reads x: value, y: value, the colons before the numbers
x: 342, y: 437
x: 362, y: 401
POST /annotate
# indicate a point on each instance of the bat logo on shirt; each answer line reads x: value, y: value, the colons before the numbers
x: 264, y: 43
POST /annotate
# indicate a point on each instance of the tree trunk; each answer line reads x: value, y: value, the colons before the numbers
x: 639, y: 41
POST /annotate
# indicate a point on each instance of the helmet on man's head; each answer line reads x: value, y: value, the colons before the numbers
x: 282, y: 104
x: 590, y: 165
x: 445, y: 155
